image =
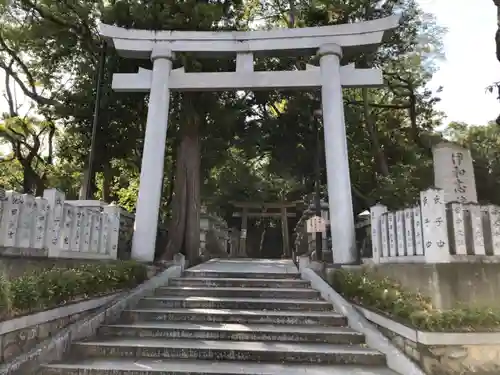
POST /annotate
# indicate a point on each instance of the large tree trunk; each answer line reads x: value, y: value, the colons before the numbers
x: 28, y: 180
x: 107, y: 180
x: 184, y: 228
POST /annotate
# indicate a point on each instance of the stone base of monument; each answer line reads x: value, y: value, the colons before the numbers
x: 472, y: 284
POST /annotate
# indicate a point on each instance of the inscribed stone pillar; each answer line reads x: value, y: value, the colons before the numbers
x: 376, y: 213
x: 454, y: 173
x: 435, y: 227
x: 337, y: 161
x: 151, y: 180
x: 114, y: 230
x: 55, y: 217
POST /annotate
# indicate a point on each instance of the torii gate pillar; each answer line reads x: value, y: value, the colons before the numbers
x: 153, y: 156
x: 337, y: 160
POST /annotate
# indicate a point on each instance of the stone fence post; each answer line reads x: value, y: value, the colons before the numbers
x: 435, y: 226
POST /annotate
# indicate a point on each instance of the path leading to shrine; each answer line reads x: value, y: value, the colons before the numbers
x: 228, y: 317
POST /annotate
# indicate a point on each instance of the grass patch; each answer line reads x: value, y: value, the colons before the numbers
x: 47, y: 289
x: 389, y: 298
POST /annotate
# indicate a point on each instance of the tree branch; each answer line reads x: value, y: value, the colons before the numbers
x: 32, y: 94
x: 22, y: 65
x: 378, y: 105
x: 8, y: 94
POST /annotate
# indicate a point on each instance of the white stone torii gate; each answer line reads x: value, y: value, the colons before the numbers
x: 329, y: 42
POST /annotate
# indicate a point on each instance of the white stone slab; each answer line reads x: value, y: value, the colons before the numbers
x: 454, y: 173
x: 384, y: 235
x: 391, y: 230
x: 409, y: 232
x: 86, y: 230
x: 95, y: 236
x: 114, y: 229
x: 10, y: 220
x: 400, y: 233
x: 67, y: 228
x: 55, y: 220
x: 435, y: 230
x: 418, y: 231
x: 76, y: 229
x: 40, y: 227
x: 494, y: 227
x: 26, y: 221
x: 376, y: 213
x: 458, y: 223
x: 104, y: 235
x: 476, y: 218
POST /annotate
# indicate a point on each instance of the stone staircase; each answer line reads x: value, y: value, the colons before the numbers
x: 226, y: 323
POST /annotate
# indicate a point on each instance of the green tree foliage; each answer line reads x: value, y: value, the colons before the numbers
x: 26, y: 138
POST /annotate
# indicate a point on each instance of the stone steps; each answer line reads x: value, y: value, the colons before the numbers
x: 145, y: 366
x: 235, y: 332
x: 239, y: 282
x: 241, y: 275
x: 272, y: 304
x: 242, y: 292
x: 218, y: 350
x: 235, y: 316
x: 220, y: 322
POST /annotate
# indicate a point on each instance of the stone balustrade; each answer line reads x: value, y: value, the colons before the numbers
x: 49, y: 226
x: 436, y: 231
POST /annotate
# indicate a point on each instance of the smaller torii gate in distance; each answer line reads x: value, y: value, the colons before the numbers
x: 330, y: 43
x: 262, y: 210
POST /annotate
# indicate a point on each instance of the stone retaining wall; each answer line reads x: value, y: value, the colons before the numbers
x: 19, y: 335
x: 442, y: 353
x: 54, y: 347
x: 472, y: 282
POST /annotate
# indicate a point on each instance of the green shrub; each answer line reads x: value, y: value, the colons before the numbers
x: 5, y: 300
x: 24, y: 293
x: 57, y: 286
x: 388, y: 297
